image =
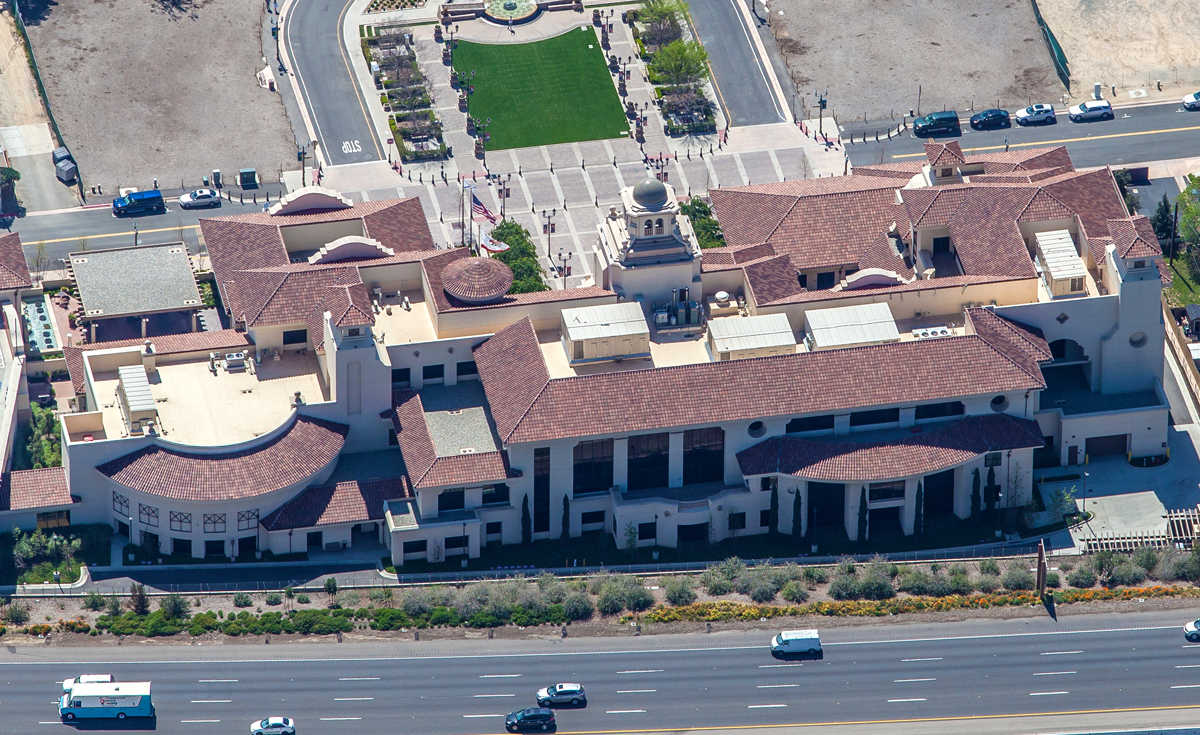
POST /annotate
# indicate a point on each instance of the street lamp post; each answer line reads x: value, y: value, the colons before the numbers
x: 453, y: 45
x: 548, y: 225
x: 504, y: 193
x: 563, y: 258
x: 822, y: 103
x: 470, y: 91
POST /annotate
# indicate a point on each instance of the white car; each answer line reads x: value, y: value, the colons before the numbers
x: 1037, y: 115
x: 1191, y: 630
x: 273, y: 726
x: 1192, y: 101
x: 571, y: 694
x: 1091, y: 110
x: 200, y: 198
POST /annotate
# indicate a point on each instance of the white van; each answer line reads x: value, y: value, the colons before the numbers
x: 87, y: 679
x: 796, y: 641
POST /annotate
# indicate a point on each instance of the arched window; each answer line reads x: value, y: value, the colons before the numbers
x: 658, y: 227
x: 649, y: 227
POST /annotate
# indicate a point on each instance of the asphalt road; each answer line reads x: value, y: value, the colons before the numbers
x: 739, y: 72
x: 1136, y: 135
x: 312, y: 32
x: 1097, y: 667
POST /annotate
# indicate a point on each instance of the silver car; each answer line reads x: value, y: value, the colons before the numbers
x: 1192, y: 101
x: 1036, y: 115
x: 560, y: 694
x: 200, y: 198
x: 1091, y: 110
x: 273, y: 726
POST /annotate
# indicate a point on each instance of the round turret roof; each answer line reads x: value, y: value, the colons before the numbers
x: 477, y: 280
x: 651, y: 193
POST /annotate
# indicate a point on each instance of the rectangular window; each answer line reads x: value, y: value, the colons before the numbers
x: 991, y: 459
x: 541, y: 490
x: 879, y: 491
x: 803, y: 278
x: 593, y: 466
x: 810, y: 423
x: 878, y: 416
x: 592, y: 516
x: 181, y: 546
x: 416, y: 547
x: 451, y: 500
x: 456, y: 542
x: 247, y: 520
x: 496, y: 495
x: 703, y: 455
x: 764, y: 518
x: 940, y: 410
x: 825, y: 280
x: 181, y: 522
x: 467, y: 369
x: 649, y: 460
x: 214, y: 523
x: 121, y: 504
x: 1077, y: 284
x: 648, y: 531
x: 767, y: 484
x: 433, y: 372
x: 315, y: 539
x: 737, y: 521
x: 147, y: 516
x: 295, y: 337
x: 401, y: 377
x: 495, y: 528
x: 393, y: 440
x: 54, y: 519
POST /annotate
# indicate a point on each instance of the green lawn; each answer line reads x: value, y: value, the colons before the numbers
x: 1183, y: 290
x: 553, y: 91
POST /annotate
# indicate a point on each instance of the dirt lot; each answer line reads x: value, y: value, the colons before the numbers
x: 1129, y: 43
x: 872, y: 54
x: 159, y: 88
x: 19, y: 101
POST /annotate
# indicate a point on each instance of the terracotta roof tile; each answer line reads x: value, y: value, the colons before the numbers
x: 944, y: 154
x: 14, y: 271
x: 513, y: 374
x: 733, y: 256
x: 905, y: 170
x: 443, y: 302
x: 771, y: 279
x: 171, y: 344
x: 299, y: 452
x: 1021, y: 343
x: 356, y: 501
x: 1134, y: 237
x: 1092, y: 195
x: 932, y: 450
x: 425, y: 468
x: 477, y: 280
x: 29, y: 489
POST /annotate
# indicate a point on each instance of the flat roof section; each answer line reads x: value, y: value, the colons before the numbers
x: 606, y: 320
x: 149, y: 279
x: 1058, y: 253
x: 851, y: 325
x: 458, y: 423
x: 751, y: 332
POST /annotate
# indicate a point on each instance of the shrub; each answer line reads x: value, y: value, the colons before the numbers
x: 989, y: 566
x: 289, y: 592
x: 795, y: 591
x: 916, y: 582
x: 958, y: 568
x: 1066, y: 565
x: 273, y: 598
x: 112, y: 606
x: 552, y: 588
x: 638, y: 599
x: 731, y: 568
x: 844, y: 587
x: 174, y: 607
x: 845, y: 565
x: 1017, y: 577
x: 1083, y: 578
x: 443, y: 616
x: 876, y: 585
x: 381, y: 596
x: 1128, y: 574
x: 1052, y: 580
x: 960, y: 584
x: 139, y: 601
x: 597, y: 581
x: 242, y: 599
x: 578, y: 606
x: 303, y: 599
x: 331, y: 587
x: 94, y: 601
x: 815, y: 575
x: 715, y: 583
x: 1146, y: 558
x: 609, y: 601
x: 349, y: 599
x: 38, y: 630
x: 679, y: 591
x: 416, y: 601
x: 763, y: 591
x: 17, y: 614
x: 988, y: 583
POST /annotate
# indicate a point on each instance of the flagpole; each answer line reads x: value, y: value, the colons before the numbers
x: 461, y: 224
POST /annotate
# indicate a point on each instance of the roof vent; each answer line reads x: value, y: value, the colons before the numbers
x: 467, y: 450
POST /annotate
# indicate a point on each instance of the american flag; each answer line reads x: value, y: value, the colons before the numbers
x: 477, y: 208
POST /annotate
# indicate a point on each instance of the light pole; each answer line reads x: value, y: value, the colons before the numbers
x: 822, y: 103
x: 563, y: 258
x: 548, y: 225
x: 481, y: 137
x: 135, y: 245
x: 452, y: 45
x: 504, y: 193
x: 470, y: 91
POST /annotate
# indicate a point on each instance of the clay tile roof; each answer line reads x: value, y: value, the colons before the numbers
x: 732, y: 256
x: 1021, y: 343
x: 944, y: 154
x: 905, y: 170
x: 928, y: 284
x: 513, y: 374
x: 284, y: 295
x: 932, y: 450
x: 29, y: 489
x: 1092, y: 195
x: 425, y: 468
x: 985, y: 234
x: 294, y: 455
x: 632, y: 402
x: 771, y: 279
x: 222, y: 340
x: 1134, y: 237
x: 14, y: 272
x: 356, y: 501
x: 443, y: 302
x: 477, y: 280
x: 348, y: 305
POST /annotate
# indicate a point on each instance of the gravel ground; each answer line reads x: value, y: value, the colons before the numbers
x: 873, y: 54
x: 19, y: 101
x: 159, y: 88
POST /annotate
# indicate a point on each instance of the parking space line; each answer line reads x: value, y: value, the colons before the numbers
x: 778, y: 666
x: 472, y: 716
x: 624, y: 711
x: 334, y: 719
x: 218, y: 681
x: 1055, y: 673
x: 1186, y: 686
x: 199, y: 721
x: 1060, y: 653
x: 359, y: 678
x: 211, y: 701
x: 353, y: 699
x: 1188, y: 666
x: 498, y: 676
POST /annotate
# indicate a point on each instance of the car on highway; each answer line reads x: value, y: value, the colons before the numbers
x: 937, y: 122
x: 273, y: 726
x: 1037, y: 115
x: 560, y: 694
x: 1191, y: 630
x: 1192, y: 101
x: 1091, y: 110
x: 991, y: 119
x: 795, y: 642
x: 533, y: 718
x: 200, y: 198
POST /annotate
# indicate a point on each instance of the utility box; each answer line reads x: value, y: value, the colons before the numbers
x: 66, y: 171
x: 248, y: 178
x: 216, y: 178
x: 61, y: 154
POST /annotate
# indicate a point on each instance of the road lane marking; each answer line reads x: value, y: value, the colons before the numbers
x: 1059, y: 653
x: 218, y: 681
x: 641, y: 671
x: 1189, y: 666
x: 1045, y: 694
x: 200, y: 721
x: 498, y: 676
x: 764, y: 706
x: 904, y: 681
x: 211, y: 701
x: 624, y: 711
x: 472, y: 716
x: 353, y: 699
x: 1055, y: 673
x: 1191, y: 645
x: 111, y: 234
x: 335, y: 719
x: 635, y: 691
x: 909, y: 660
x: 357, y: 678
x: 51, y: 722
x: 779, y: 666
x: 485, y: 696
x: 1187, y: 686
x: 776, y: 686
x: 918, y: 699
x: 1085, y: 139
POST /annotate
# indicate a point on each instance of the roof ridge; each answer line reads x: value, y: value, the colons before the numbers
x: 1039, y: 377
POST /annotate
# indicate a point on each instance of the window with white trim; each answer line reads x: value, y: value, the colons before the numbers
x: 247, y: 520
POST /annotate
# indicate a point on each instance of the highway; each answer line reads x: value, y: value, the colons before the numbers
x: 985, y: 676
x: 1136, y: 135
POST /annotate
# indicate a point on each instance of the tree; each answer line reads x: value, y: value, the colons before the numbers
x: 991, y: 491
x: 526, y: 521
x: 862, y: 516
x: 566, y: 520
x: 521, y: 257
x: 975, y: 497
x: 919, y: 512
x: 331, y: 586
x: 681, y: 63
x: 174, y: 607
x: 139, y: 601
x: 797, y: 516
x: 773, y: 514
x: 1163, y: 218
x: 1062, y: 501
x: 1124, y: 180
x: 1189, y: 211
x: 8, y: 183
x: 631, y: 537
x: 661, y: 20
x: 707, y: 229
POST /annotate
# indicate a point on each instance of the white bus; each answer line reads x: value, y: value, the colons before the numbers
x: 106, y: 699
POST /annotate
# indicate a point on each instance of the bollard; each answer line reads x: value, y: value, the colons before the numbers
x: 583, y: 164
x: 614, y: 161
x: 564, y: 631
x: 638, y: 631
x: 416, y: 635
x: 255, y: 195
x: 241, y: 198
x: 876, y: 136
x: 491, y: 633
x: 552, y: 167
x: 709, y: 628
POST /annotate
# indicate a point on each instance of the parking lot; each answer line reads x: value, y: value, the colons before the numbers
x: 163, y: 89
